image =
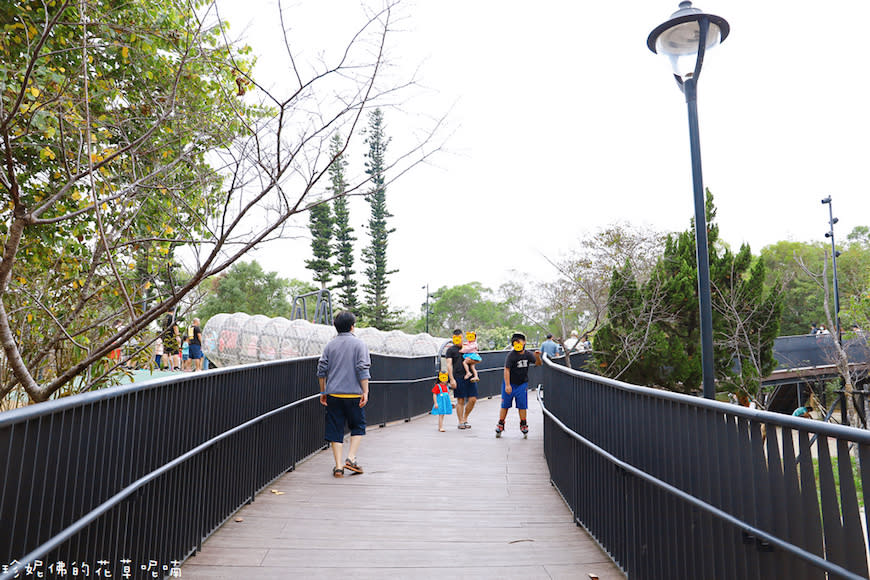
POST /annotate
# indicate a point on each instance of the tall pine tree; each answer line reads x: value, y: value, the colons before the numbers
x: 320, y: 224
x: 344, y: 238
x: 376, y: 310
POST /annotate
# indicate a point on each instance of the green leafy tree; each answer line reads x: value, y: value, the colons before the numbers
x: 631, y: 342
x: 127, y: 132
x: 106, y: 117
x: 472, y: 307
x: 798, y: 266
x: 577, y: 299
x: 749, y: 316
x: 320, y: 223
x: 245, y: 287
x: 653, y: 334
x: 377, y: 310
x: 803, y: 300
x: 344, y: 238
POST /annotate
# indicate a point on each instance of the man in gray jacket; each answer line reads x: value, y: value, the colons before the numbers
x: 343, y: 374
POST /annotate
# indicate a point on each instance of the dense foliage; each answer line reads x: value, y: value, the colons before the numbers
x: 106, y: 120
x: 136, y: 165
x: 652, y: 334
x: 245, y: 287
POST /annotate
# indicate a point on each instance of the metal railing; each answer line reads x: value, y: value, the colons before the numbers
x: 674, y: 486
x: 129, y: 481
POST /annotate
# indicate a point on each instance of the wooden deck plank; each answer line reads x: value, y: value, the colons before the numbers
x: 460, y: 504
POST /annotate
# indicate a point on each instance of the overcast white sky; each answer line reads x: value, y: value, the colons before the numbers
x: 565, y: 122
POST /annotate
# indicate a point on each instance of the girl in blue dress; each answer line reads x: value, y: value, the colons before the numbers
x: 441, y: 404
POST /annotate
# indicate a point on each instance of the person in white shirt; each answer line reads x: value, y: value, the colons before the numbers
x: 572, y: 341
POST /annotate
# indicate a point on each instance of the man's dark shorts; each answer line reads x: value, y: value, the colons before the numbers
x: 195, y: 351
x: 465, y: 389
x: 341, y: 411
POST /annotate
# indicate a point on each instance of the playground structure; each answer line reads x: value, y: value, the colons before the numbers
x: 322, y: 307
x: 233, y: 339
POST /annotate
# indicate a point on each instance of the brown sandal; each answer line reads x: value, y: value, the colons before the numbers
x: 353, y: 466
x: 338, y: 472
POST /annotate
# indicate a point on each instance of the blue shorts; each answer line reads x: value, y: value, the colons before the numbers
x: 341, y: 411
x: 195, y: 351
x: 465, y: 389
x: 520, y: 393
x: 473, y: 356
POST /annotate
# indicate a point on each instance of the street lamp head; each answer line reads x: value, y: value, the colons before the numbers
x: 829, y: 234
x: 827, y: 199
x: 680, y: 39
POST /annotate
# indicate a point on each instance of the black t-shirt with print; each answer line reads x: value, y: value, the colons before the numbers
x: 455, y: 358
x: 518, y: 365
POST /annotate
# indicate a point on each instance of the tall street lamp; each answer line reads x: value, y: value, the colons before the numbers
x: 684, y: 39
x: 834, y: 254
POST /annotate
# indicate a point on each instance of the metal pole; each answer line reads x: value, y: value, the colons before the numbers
x: 834, y: 260
x: 703, y: 258
x: 427, y: 308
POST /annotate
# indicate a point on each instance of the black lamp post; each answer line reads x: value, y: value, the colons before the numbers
x: 684, y: 39
x: 834, y: 254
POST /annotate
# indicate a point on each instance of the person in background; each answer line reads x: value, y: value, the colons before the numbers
x: 158, y: 353
x: 172, y: 343
x: 803, y: 412
x: 571, y: 343
x: 343, y: 374
x: 185, y: 355
x: 194, y: 341
x: 549, y: 346
x: 441, y: 404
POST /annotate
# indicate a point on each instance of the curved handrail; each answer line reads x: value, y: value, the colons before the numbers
x: 713, y: 510
x: 116, y: 499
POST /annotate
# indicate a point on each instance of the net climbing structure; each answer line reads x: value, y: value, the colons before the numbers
x: 233, y: 339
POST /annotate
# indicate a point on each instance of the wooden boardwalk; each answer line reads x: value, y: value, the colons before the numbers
x: 459, y: 504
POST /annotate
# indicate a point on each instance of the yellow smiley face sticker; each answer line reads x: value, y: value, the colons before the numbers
x: 470, y: 336
x: 442, y: 377
x: 457, y: 339
x: 518, y: 346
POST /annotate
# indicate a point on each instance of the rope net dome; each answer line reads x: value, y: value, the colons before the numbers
x: 232, y: 339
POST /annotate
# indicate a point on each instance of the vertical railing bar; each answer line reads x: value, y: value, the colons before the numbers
x: 779, y: 507
x: 728, y: 495
x: 20, y: 471
x: 56, y: 525
x: 831, y: 518
x: 809, y: 499
x: 716, y: 463
x: 854, y: 545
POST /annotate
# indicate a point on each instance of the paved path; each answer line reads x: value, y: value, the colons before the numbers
x: 459, y: 504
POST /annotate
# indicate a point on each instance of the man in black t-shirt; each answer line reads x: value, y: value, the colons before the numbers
x: 465, y: 391
x: 515, y: 385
